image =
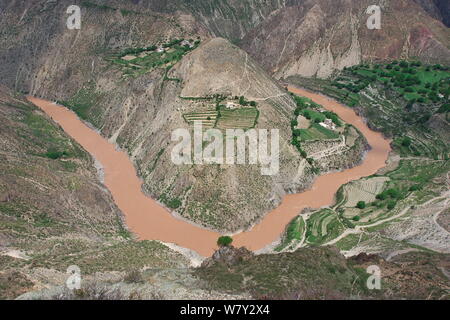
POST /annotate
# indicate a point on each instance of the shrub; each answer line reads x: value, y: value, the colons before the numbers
x: 133, y: 276
x: 55, y: 154
x: 356, y: 218
x: 242, y: 101
x: 224, y: 241
x: 393, y: 193
x: 174, y: 203
x: 361, y: 205
x: 381, y: 196
x: 406, y: 142
x: 391, y: 204
x: 444, y: 108
x: 307, y: 114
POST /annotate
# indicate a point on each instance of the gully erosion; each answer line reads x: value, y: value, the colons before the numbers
x: 149, y: 221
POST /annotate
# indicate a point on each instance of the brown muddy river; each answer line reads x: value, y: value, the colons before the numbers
x: 149, y: 221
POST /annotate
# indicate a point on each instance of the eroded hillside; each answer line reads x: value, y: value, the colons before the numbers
x: 113, y: 75
x: 54, y: 209
x: 315, y: 38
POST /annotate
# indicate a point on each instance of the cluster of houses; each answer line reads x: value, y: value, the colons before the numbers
x: 329, y: 124
x: 183, y: 43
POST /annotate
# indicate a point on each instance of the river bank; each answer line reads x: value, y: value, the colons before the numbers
x: 150, y: 221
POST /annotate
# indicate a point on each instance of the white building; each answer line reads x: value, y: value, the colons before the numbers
x: 186, y: 43
x: 329, y: 124
x: 231, y: 105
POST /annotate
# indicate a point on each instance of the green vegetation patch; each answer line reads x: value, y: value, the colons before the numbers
x: 317, y: 132
x: 294, y: 233
x: 240, y: 118
x: 134, y: 62
x: 323, y: 226
x: 84, y: 103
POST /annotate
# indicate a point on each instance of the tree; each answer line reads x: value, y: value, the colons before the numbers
x: 391, y: 204
x: 307, y: 114
x: 361, y: 205
x: 393, y: 193
x: 224, y: 241
x: 444, y: 108
x: 406, y: 142
x: 381, y: 196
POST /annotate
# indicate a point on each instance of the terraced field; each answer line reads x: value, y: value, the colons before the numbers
x: 396, y: 209
x: 208, y: 118
x: 403, y: 203
x: 401, y: 99
x: 363, y: 190
x: 323, y: 226
x: 317, y: 132
x: 242, y: 118
x: 134, y: 62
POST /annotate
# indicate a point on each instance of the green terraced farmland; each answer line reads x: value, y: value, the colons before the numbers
x: 317, y: 132
x: 208, y: 118
x: 242, y: 118
x: 134, y: 62
x: 323, y: 226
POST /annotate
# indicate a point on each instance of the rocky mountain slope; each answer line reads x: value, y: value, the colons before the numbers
x: 283, y: 36
x: 314, y: 38
x: 54, y: 210
x: 439, y: 9
x: 311, y: 273
x: 139, y: 104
